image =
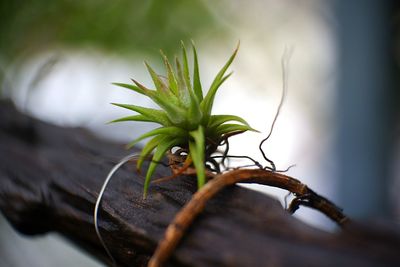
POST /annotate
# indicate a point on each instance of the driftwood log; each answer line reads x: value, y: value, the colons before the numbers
x: 50, y: 178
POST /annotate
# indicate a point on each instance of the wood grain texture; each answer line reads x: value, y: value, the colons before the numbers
x: 50, y: 177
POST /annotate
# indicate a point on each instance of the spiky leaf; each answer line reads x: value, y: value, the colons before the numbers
x: 133, y: 118
x: 140, y: 90
x: 164, y: 145
x: 218, y: 80
x: 196, y: 76
x: 147, y: 149
x: 196, y: 148
x: 216, y: 120
x: 158, y: 116
x: 173, y: 84
x: 186, y: 75
x: 167, y: 131
x: 208, y: 101
x: 228, y: 128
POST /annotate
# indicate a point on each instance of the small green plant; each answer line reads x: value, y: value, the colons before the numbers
x: 184, y: 115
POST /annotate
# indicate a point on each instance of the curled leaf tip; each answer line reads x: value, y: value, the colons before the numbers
x: 139, y: 84
x: 238, y: 45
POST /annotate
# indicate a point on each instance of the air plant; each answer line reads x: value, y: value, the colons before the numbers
x: 184, y: 115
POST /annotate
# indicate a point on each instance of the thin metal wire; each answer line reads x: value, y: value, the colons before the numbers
x: 99, y: 198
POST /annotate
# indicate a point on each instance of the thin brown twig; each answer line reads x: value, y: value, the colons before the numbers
x: 176, y: 173
x: 189, y: 212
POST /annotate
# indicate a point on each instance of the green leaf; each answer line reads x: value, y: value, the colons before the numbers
x: 173, y: 84
x: 133, y: 118
x: 216, y: 120
x: 166, y: 100
x: 163, y: 96
x: 183, y: 92
x: 145, y: 90
x: 194, y: 111
x: 218, y: 80
x: 155, y: 115
x: 167, y: 131
x: 197, y: 151
x: 170, y: 104
x: 147, y: 149
x: 186, y: 76
x: 140, y: 90
x: 160, y: 86
x: 208, y: 101
x: 228, y: 128
x: 163, y: 146
x: 221, y: 73
x: 195, y: 114
x: 196, y: 76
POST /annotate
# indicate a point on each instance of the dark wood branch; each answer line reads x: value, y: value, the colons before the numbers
x: 50, y: 177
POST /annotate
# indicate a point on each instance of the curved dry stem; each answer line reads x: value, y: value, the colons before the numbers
x: 285, y: 69
x: 189, y: 212
x: 99, y: 198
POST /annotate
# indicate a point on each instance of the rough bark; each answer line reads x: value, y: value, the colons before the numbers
x: 50, y: 177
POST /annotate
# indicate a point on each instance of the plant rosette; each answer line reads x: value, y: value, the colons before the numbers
x: 184, y: 115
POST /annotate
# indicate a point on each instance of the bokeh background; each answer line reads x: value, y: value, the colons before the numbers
x: 339, y: 125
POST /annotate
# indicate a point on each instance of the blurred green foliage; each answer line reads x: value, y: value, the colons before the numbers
x: 118, y: 26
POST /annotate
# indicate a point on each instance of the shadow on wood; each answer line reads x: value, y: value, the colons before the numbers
x: 50, y: 177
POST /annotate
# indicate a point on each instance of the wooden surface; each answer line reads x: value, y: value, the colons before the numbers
x: 50, y: 177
